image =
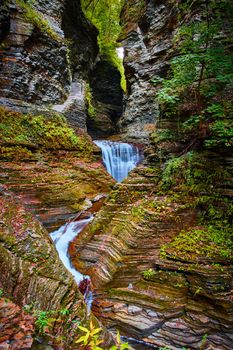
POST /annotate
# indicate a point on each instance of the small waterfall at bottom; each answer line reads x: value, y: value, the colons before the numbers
x: 119, y: 158
x: 62, y: 238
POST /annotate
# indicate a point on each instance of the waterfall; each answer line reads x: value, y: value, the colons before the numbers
x: 62, y: 238
x: 119, y: 158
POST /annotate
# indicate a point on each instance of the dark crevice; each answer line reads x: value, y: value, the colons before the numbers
x: 82, y: 36
x: 105, y: 82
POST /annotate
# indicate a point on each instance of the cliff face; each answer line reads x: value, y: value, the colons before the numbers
x: 148, y: 29
x: 160, y: 251
x: 49, y: 52
x: 53, y: 170
x: 33, y: 275
x: 158, y: 276
x: 160, y: 273
x: 34, y: 59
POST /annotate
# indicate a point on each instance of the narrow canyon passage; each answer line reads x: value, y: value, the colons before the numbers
x: 131, y: 232
x: 119, y: 159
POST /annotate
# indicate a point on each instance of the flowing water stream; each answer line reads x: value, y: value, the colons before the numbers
x: 62, y: 239
x: 119, y: 158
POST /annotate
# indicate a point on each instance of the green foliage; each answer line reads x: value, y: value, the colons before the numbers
x: 119, y: 345
x: 42, y: 321
x: 195, y: 181
x: 105, y: 15
x: 172, y: 170
x: 200, y: 77
x: 163, y: 135
x: 89, y: 101
x: 212, y: 242
x: 91, y: 340
x: 191, y: 174
x: 37, y: 19
x: 221, y: 134
x: 1, y: 293
x: 148, y: 274
x: 64, y: 312
x: 58, y: 326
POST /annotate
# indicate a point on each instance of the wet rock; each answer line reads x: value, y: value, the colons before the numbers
x: 147, y: 38
x: 146, y: 296
x: 31, y: 272
x: 38, y: 63
x: 83, y: 36
x: 108, y: 97
x: 16, y: 327
x: 74, y: 107
x: 32, y: 67
x: 56, y: 190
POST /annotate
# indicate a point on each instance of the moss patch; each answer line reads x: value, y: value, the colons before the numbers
x: 37, y: 19
x: 207, y: 243
x: 24, y: 135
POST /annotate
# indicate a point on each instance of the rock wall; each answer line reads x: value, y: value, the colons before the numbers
x: 46, y: 51
x: 164, y: 300
x: 108, y: 100
x: 44, y: 48
x: 31, y: 273
x: 56, y: 191
x: 148, y: 29
x: 33, y: 60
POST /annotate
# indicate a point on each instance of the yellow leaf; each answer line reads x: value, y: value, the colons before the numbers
x: 83, y: 329
x: 80, y: 340
x: 95, y: 331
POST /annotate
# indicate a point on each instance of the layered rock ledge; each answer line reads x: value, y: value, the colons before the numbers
x: 165, y: 300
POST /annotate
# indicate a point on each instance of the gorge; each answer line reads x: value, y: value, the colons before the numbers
x: 156, y: 236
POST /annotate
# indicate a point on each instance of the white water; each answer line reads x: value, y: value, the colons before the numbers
x: 62, y: 238
x: 119, y: 158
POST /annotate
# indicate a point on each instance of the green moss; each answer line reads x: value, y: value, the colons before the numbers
x: 132, y: 12
x: 148, y: 274
x: 191, y: 173
x: 213, y: 242
x: 17, y: 153
x: 37, y: 19
x: 89, y: 101
x: 105, y: 16
x: 21, y: 135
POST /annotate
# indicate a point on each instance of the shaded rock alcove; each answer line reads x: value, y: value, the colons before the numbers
x: 105, y: 82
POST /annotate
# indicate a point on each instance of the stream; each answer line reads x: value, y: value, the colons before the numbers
x: 119, y: 159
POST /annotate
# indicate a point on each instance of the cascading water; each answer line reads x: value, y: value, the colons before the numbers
x: 119, y: 158
x: 62, y: 238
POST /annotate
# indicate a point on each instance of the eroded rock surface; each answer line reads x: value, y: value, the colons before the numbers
x: 57, y: 190
x: 148, y: 29
x: 31, y: 271
x: 161, y: 299
x: 17, y: 327
x: 108, y: 97
x: 34, y: 64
